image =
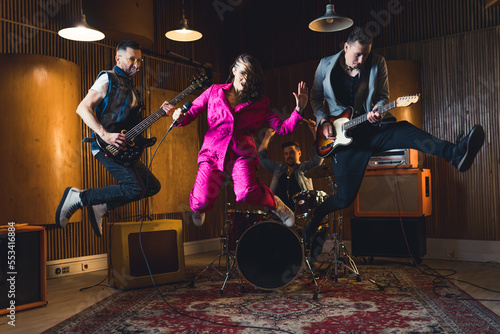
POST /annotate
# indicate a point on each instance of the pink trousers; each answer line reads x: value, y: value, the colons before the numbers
x: 247, y: 187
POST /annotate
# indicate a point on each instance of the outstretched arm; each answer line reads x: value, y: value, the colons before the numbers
x: 267, y: 137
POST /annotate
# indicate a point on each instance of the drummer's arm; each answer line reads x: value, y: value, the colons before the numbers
x: 267, y: 138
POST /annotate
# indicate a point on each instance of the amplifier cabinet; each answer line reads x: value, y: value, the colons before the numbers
x: 384, y: 237
x: 397, y: 158
x: 26, y: 282
x: 162, y: 242
x: 394, y: 193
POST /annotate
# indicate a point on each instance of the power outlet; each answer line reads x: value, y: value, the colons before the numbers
x: 65, y: 270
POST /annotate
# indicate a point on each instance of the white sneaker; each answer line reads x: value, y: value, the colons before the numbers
x: 284, y: 213
x: 198, y: 218
x: 96, y: 212
x: 70, y: 202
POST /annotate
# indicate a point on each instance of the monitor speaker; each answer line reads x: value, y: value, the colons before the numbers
x: 394, y: 193
x: 162, y: 242
x: 384, y: 237
x: 23, y: 279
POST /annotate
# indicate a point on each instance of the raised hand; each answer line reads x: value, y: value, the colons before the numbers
x: 302, y: 96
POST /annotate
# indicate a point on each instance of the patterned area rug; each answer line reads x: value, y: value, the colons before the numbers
x: 412, y: 301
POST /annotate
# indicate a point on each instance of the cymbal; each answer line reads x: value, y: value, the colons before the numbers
x: 320, y: 171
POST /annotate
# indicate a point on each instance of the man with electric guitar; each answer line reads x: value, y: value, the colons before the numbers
x: 112, y: 109
x: 353, y: 85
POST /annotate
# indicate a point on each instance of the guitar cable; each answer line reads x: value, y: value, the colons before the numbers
x: 185, y: 108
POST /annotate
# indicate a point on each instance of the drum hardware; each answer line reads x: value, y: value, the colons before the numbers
x: 225, y: 252
x: 337, y: 257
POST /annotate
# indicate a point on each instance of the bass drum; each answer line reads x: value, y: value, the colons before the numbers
x: 269, y: 255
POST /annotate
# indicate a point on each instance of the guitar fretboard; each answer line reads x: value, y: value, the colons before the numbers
x: 148, y: 121
x: 363, y: 118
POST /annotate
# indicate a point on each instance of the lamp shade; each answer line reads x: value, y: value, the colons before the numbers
x: 330, y: 21
x: 184, y: 33
x: 81, y: 31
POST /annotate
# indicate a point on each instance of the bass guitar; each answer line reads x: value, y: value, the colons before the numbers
x: 343, y: 122
x: 135, y: 143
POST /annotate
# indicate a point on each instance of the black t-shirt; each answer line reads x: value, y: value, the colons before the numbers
x: 344, y: 86
x: 287, y: 188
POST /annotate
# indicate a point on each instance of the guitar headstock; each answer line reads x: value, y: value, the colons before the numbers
x: 406, y: 100
x: 202, y: 80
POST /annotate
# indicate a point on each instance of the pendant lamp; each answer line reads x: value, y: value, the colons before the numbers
x: 81, y: 31
x: 330, y: 21
x: 184, y: 33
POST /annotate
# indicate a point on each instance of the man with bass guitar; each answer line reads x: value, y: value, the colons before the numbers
x: 111, y: 105
x: 353, y: 84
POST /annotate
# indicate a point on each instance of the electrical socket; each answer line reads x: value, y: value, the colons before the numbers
x: 65, y: 270
x: 450, y: 254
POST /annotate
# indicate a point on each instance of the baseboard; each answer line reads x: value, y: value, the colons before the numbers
x: 80, y: 265
x: 454, y: 249
x: 463, y: 250
x: 202, y: 246
x: 76, y: 265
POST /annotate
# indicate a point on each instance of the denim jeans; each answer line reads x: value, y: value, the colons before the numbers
x: 134, y: 183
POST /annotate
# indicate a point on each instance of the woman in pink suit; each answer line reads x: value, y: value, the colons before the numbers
x: 235, y: 111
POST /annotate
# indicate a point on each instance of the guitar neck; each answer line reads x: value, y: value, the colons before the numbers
x: 148, y: 121
x: 363, y: 118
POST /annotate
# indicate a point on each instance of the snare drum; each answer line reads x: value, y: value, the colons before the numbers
x: 240, y: 221
x: 305, y: 203
x: 269, y: 255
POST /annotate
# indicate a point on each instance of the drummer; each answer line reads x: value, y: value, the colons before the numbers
x: 288, y: 176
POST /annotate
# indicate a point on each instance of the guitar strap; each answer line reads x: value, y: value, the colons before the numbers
x: 363, y: 87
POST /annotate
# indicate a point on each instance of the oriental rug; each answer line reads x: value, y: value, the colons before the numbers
x: 412, y: 301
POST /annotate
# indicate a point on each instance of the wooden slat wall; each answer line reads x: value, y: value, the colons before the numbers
x: 461, y: 88
x: 276, y: 31
x: 457, y: 50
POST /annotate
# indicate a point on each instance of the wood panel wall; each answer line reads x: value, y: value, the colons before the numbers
x: 456, y: 41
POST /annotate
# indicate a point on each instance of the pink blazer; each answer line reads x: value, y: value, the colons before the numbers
x: 232, y: 130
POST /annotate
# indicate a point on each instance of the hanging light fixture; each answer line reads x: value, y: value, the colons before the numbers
x: 330, y: 21
x: 184, y: 33
x: 81, y: 31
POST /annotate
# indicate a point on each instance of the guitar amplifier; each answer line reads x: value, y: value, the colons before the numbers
x: 394, y: 193
x: 404, y: 158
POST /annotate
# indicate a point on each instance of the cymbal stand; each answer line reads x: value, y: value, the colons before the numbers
x: 230, y: 258
x: 336, y: 258
x: 311, y: 271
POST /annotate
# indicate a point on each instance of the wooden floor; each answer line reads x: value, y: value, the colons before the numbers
x: 66, y: 299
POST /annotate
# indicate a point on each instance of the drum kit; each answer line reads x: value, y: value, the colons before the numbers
x: 269, y: 255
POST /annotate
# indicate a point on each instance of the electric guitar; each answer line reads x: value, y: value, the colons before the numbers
x: 135, y: 143
x: 343, y: 122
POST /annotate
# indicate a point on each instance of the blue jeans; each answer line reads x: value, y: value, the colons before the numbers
x: 134, y: 183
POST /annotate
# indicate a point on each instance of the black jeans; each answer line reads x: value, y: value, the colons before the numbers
x: 134, y: 183
x: 349, y: 162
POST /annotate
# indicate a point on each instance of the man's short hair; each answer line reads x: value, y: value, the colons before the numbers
x: 128, y: 44
x: 360, y: 35
x: 290, y: 143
